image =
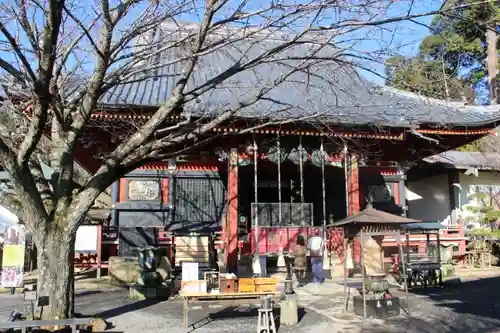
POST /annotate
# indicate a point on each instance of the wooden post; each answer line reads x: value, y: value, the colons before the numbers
x: 323, y: 188
x: 280, y: 212
x: 353, y: 185
x: 301, y: 173
x: 402, y: 192
x: 427, y: 243
x: 327, y: 262
x: 453, y: 181
x: 363, y: 273
x: 406, y: 259
x: 382, y: 263
x: 172, y: 167
x: 346, y: 180
x: 114, y: 199
x: 255, y: 184
x: 346, y: 296
x: 99, y: 249
x: 232, y: 216
x: 439, y: 259
x: 407, y: 248
x: 405, y: 280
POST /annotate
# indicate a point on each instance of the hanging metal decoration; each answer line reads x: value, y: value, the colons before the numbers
x: 298, y: 155
x: 276, y: 155
x: 255, y: 149
x: 222, y: 154
x: 319, y: 158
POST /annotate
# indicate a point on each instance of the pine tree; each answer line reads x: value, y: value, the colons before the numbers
x: 460, y: 54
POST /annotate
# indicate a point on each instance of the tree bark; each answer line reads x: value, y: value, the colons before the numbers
x: 56, y: 269
x: 491, y: 60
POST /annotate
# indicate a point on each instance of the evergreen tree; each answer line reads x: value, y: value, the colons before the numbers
x: 459, y: 56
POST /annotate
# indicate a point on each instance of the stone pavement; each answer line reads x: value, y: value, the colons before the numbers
x: 472, y: 306
x: 326, y: 299
x: 129, y: 316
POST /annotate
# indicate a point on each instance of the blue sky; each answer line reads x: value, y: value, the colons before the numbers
x: 401, y: 38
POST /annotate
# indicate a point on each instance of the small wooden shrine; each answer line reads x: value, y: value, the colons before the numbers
x: 371, y: 226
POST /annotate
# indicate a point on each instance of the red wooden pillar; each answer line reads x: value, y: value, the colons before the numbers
x: 353, y: 189
x: 353, y: 192
x: 231, y: 224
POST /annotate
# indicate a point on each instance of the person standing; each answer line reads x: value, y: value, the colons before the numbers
x: 315, y: 247
x: 300, y: 260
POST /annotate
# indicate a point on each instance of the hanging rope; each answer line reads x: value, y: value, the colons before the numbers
x: 323, y: 162
x: 256, y: 202
x: 279, y: 181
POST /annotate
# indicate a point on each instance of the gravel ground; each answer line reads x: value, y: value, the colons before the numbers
x: 472, y: 306
x: 469, y: 307
x: 145, y: 316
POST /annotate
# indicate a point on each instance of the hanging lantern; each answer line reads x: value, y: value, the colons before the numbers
x: 319, y: 157
x: 276, y: 155
x: 296, y: 154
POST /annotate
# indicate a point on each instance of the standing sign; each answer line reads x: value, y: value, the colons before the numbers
x: 190, y: 271
x: 13, y: 257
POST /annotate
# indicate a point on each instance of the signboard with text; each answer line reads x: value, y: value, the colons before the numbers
x: 13, y: 257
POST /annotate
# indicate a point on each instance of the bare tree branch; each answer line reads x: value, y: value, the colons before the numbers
x: 17, y: 74
x: 63, y: 64
x: 17, y: 49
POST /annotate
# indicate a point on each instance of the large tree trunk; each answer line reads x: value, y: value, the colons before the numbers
x: 56, y: 269
x: 491, y: 61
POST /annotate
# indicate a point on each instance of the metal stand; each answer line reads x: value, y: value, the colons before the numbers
x: 363, y: 272
x: 265, y: 321
x: 346, y: 295
x: 405, y: 277
x: 396, y: 235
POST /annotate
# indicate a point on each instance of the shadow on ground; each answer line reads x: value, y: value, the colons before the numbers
x: 241, y: 312
x: 88, y: 293
x: 130, y: 307
x: 467, y: 307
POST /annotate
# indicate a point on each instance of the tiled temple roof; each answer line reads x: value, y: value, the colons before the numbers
x: 465, y: 160
x: 333, y: 94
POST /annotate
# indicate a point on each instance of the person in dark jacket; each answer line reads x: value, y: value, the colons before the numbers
x: 300, y: 260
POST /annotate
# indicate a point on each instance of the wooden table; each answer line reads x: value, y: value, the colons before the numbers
x: 222, y: 297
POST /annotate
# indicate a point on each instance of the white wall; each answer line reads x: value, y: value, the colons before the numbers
x: 429, y: 199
